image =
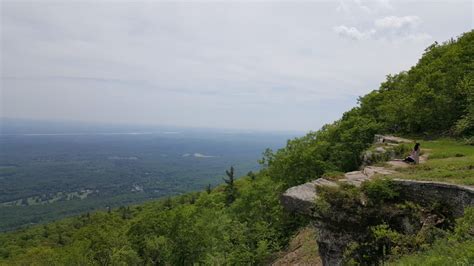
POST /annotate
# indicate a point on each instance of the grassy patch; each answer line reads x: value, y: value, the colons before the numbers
x: 334, y: 175
x: 449, y: 161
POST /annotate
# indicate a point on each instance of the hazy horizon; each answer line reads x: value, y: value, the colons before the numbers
x: 38, y: 126
x: 265, y: 66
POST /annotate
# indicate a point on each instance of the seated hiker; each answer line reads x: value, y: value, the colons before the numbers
x: 414, y: 156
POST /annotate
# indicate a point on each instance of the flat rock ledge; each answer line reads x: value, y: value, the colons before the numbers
x: 300, y: 199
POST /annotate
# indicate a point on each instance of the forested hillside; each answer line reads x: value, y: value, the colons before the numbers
x: 242, y: 221
x: 433, y: 98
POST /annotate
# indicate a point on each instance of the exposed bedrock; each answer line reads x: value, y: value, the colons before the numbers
x: 301, y: 198
x: 332, y: 243
x: 426, y: 193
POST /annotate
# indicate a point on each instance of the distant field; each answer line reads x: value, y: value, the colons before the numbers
x: 48, y: 176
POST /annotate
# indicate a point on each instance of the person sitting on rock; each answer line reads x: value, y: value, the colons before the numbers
x: 414, y: 156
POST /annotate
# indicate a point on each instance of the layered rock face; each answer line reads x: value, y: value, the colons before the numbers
x: 426, y: 193
x: 332, y: 244
x: 300, y: 199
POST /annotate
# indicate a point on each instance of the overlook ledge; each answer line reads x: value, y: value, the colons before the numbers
x: 332, y: 243
x: 300, y: 199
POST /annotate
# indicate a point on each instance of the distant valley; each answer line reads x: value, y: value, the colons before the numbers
x: 45, y: 175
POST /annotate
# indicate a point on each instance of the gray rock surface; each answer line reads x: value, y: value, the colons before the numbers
x: 331, y: 246
x: 455, y: 197
x: 301, y: 198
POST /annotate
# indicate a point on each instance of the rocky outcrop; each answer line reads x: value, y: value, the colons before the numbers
x: 427, y: 193
x: 332, y: 244
x: 384, y: 149
x: 300, y: 199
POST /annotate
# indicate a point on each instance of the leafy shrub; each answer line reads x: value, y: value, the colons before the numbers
x: 380, y: 190
x: 336, y: 147
x: 402, y: 150
x: 341, y: 207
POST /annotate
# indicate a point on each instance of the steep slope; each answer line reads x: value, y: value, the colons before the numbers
x: 302, y: 250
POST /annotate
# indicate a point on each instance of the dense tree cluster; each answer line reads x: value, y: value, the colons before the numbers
x: 433, y: 98
x: 195, y: 227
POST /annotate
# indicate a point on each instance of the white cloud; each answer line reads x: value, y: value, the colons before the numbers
x: 418, y: 37
x: 387, y: 28
x: 394, y: 22
x: 365, y: 6
x: 400, y: 28
x: 352, y: 32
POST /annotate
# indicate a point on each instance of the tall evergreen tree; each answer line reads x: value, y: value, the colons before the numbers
x: 251, y: 175
x: 230, y: 189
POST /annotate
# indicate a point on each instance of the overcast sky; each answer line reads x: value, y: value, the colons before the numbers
x: 267, y: 65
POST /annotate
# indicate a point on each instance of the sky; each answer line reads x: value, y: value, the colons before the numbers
x: 267, y: 65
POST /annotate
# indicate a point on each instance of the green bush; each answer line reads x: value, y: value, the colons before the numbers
x: 380, y: 190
